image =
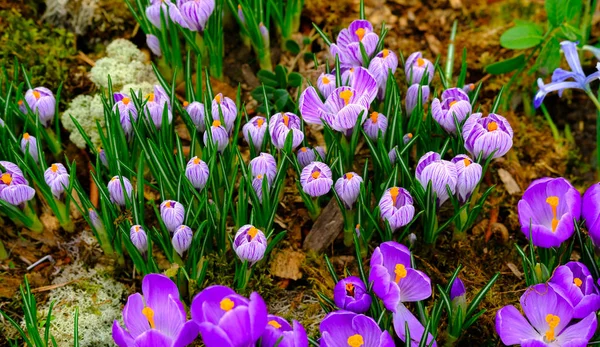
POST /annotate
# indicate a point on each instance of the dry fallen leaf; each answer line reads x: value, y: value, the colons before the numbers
x: 286, y: 263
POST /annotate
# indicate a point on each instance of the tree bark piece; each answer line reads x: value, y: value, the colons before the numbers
x: 326, y: 228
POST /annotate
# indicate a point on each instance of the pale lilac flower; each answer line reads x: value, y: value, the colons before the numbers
x: 196, y: 111
x: 454, y: 108
x: 42, y: 102
x: 441, y: 173
x: 349, y: 40
x: 154, y: 44
x: 316, y: 179
x: 197, y: 172
x: 396, y: 206
x: 381, y: 67
x: 222, y: 105
x: 416, y: 67
x: 468, y: 175
x: 57, y: 178
x: 280, y: 126
x: 29, y: 146
x: 254, y: 131
x: 376, y: 123
x: 138, y: 237
x: 115, y: 190
x: 264, y: 164
x: 487, y: 135
x: 182, y: 239
x: 172, y: 214
x: 250, y: 244
x: 126, y: 110
x: 412, y: 97
x: 220, y: 137
x: 326, y: 84
x: 347, y: 188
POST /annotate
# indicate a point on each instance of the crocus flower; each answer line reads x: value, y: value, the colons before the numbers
x: 22, y: 106
x: 196, y: 13
x: 351, y: 294
x: 219, y: 136
x: 254, y: 131
x: 348, y: 43
x: 57, y: 178
x: 457, y: 289
x: 547, y: 321
x: 412, y: 97
x: 393, y: 155
x: 226, y: 319
x: 102, y: 156
x: 95, y: 220
x: 326, y: 84
x: 182, y: 239
x: 257, y: 185
x: 454, y: 108
x: 306, y: 156
x: 154, y: 44
x: 407, y: 137
x: 153, y: 12
x: 11, y: 168
x: 280, y: 333
x: 250, y: 244
x: 225, y: 106
x: 14, y: 189
x: 467, y: 88
x: 381, y: 66
x: 139, y: 238
x: 396, y: 206
x: 264, y: 32
x: 468, y: 175
x: 347, y: 188
x: 157, y: 318
x: 547, y: 211
x: 321, y: 153
x: 574, y: 282
x: 590, y: 212
x: 197, y: 172
x: 402, y: 318
x: 344, y: 328
x: 126, y: 110
x: 487, y: 135
x: 172, y: 214
x: 29, y: 145
x: 196, y: 111
x: 394, y: 280
x: 374, y: 124
x: 42, y: 102
x: 441, y: 174
x: 344, y: 107
x: 280, y: 126
x: 115, y: 190
x: 264, y: 164
x: 417, y: 66
x: 156, y: 105
x: 316, y: 179
x: 559, y: 76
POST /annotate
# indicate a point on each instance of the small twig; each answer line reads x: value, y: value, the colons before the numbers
x: 53, y: 286
x: 86, y: 59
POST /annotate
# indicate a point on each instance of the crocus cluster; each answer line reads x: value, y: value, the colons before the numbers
x: 14, y: 188
x: 189, y: 14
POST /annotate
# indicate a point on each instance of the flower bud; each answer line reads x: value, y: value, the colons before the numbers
x: 396, y: 206
x: 197, y: 172
x: 220, y: 137
x: 316, y: 179
x: 154, y: 45
x: 264, y: 164
x: 196, y: 112
x: 224, y: 105
x: 172, y: 214
x: 347, y: 188
x: 254, y: 131
x: 412, y: 97
x: 326, y: 84
x: 280, y: 126
x: 468, y: 175
x: 115, y: 190
x: 182, y: 239
x: 42, y: 102
x: 441, y: 174
x: 416, y: 67
x: 29, y: 145
x: 139, y: 238
x: 57, y: 179
x: 374, y: 124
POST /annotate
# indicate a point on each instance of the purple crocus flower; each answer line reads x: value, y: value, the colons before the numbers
x: 547, y: 321
x: 195, y: 13
x: 154, y: 44
x: 326, y: 84
x: 224, y: 105
x: 126, y: 111
x: 29, y: 145
x: 467, y: 88
x: 280, y: 126
x: 254, y: 131
x: 412, y: 97
x: 487, y: 135
x: 102, y: 156
x: 559, y: 76
x: 95, y: 220
x: 197, y: 172
x: 279, y: 332
x: 22, y: 106
x: 153, y: 12
x: 155, y: 107
x: 316, y: 179
x: 264, y: 32
x: 157, y: 318
x: 468, y: 175
x: 348, y: 43
x: 347, y: 188
x: 351, y: 294
x: 57, y: 178
x: 344, y: 106
x: 394, y: 280
x: 250, y: 244
x: 374, y: 124
x: 402, y: 318
x: 14, y: 189
x: 139, y: 238
x: 196, y: 111
x: 42, y: 102
x: 115, y: 190
x: 226, y: 319
x: 381, y: 66
x: 306, y: 156
x: 457, y: 289
x: 547, y: 211
x: 257, y: 185
x: 219, y: 136
x: 344, y: 328
x: 172, y: 214
x: 416, y: 66
x: 264, y: 164
x: 11, y: 168
x: 182, y: 239
x: 454, y: 108
x: 407, y: 137
x: 441, y: 173
x: 396, y: 206
x: 591, y: 212
x: 574, y: 282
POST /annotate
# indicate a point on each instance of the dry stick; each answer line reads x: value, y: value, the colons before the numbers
x: 53, y: 286
x: 86, y: 59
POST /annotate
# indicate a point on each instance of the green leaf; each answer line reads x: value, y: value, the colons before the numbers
x: 570, y: 33
x: 549, y: 58
x: 267, y: 77
x: 573, y: 9
x: 292, y: 47
x: 506, y: 66
x: 555, y: 9
x: 281, y: 73
x: 281, y: 98
x: 522, y: 36
x: 294, y: 79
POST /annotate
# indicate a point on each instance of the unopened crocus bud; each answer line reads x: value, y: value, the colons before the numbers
x: 197, y: 172
x: 280, y: 125
x: 102, y: 157
x: 115, y: 189
x: 487, y: 135
x: 441, y: 174
x: 154, y: 44
x: 196, y: 111
x: 322, y: 155
x: 241, y: 15
x: 172, y: 214
x: 220, y: 137
x: 264, y: 32
x: 393, y: 155
x: 139, y: 238
x: 182, y: 239
x: 416, y: 67
x: 306, y: 156
x: 347, y: 188
x: 381, y: 66
x: 396, y: 206
x: 407, y: 137
x: 126, y: 110
x: 454, y: 108
x: 590, y: 212
x: 22, y: 106
x: 95, y: 220
x: 351, y: 294
x: 57, y: 178
x: 264, y: 164
x: 326, y: 84
x: 29, y: 145
x: 412, y: 97
x: 157, y: 104
x: 250, y: 244
x: 467, y: 88
x: 468, y: 176
x: 316, y: 179
x: 457, y: 289
x: 375, y: 124
x: 196, y: 13
x: 14, y: 189
x: 257, y: 185
x: 42, y: 102
x: 225, y: 106
x: 254, y: 131
x: 412, y: 238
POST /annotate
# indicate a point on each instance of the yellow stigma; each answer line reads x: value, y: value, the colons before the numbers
x: 386, y: 52
x: 54, y: 167
x: 410, y: 135
x: 553, y: 202
x: 36, y: 94
x: 394, y: 194
x: 185, y: 104
x: 303, y: 149
x: 349, y: 289
x: 260, y: 122
x: 325, y: 80
x: 151, y: 97
x: 577, y: 282
x: 400, y: 272
x: 259, y: 177
x: 196, y: 160
x: 553, y: 322
x: 286, y: 120
x: 6, y: 178
x: 274, y: 324
x: 492, y: 126
x: 346, y: 95
x: 374, y: 117
x: 227, y: 304
x: 252, y: 232
x: 20, y: 102
x: 125, y: 101
x: 467, y: 162
x: 453, y: 103
x: 239, y: 7
x: 216, y: 123
x: 114, y: 179
x: 355, y: 341
x: 360, y: 32
x: 218, y: 98
x: 26, y: 136
x: 349, y: 176
x: 136, y: 228
x: 168, y: 204
x: 472, y: 87
x: 315, y: 174
x: 420, y: 62
x: 149, y: 313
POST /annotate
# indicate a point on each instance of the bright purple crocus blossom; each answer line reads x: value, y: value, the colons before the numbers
x: 196, y: 111
x: 454, y: 108
x: 487, y: 135
x: 57, y: 178
x: 254, y: 131
x: 115, y: 190
x: 219, y: 136
x: 574, y: 282
x: 138, y: 237
x: 375, y: 126
x: 196, y: 171
x: 416, y: 67
x: 347, y: 188
x: 396, y: 206
x: 222, y: 105
x: 441, y: 173
x: 412, y: 97
x: 29, y: 146
x: 468, y: 175
x: 42, y: 102
x: 590, y: 212
x: 126, y: 110
x: 381, y: 67
x: 403, y: 318
x: 280, y: 333
x: 547, y: 321
x: 157, y: 318
x: 344, y: 328
x: 172, y: 214
x: 182, y: 239
x: 280, y: 125
x: 349, y: 41
x: 351, y: 294
x: 264, y: 164
x: 394, y: 280
x: 250, y: 244
x: 326, y: 84
x: 316, y: 179
x: 547, y: 211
